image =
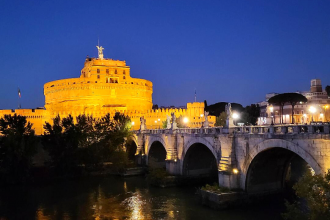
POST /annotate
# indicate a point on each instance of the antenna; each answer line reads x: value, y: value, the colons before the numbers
x: 195, y: 95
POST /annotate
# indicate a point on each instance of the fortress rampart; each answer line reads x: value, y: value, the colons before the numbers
x: 106, y: 86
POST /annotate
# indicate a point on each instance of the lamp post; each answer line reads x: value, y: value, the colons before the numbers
x: 271, y: 108
x: 235, y: 116
x: 325, y: 112
x: 312, y: 110
x: 185, y: 121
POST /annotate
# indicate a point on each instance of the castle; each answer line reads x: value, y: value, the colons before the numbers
x: 106, y: 86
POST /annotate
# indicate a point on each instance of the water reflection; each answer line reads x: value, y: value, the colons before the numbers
x: 114, y: 198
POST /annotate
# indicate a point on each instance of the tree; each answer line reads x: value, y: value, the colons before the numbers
x: 314, y: 190
x: 250, y: 114
x: 291, y: 98
x: 88, y: 142
x: 327, y: 89
x: 62, y: 140
x: 17, y: 147
x: 221, y: 119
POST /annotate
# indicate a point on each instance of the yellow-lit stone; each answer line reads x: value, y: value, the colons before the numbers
x: 106, y: 86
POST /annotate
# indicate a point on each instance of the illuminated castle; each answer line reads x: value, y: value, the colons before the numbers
x: 105, y: 86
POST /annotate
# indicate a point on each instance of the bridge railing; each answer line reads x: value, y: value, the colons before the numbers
x: 271, y: 129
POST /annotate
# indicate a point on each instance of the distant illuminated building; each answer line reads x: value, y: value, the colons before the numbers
x: 318, y: 101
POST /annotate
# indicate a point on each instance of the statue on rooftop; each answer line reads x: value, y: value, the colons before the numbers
x: 100, y: 51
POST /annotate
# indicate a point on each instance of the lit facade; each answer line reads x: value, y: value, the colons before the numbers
x: 317, y: 98
x: 106, y: 86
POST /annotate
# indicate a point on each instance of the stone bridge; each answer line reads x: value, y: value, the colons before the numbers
x: 256, y: 158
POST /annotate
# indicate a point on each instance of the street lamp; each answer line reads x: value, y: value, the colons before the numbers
x: 271, y: 108
x: 325, y: 112
x: 235, y: 116
x: 312, y: 110
x: 185, y: 121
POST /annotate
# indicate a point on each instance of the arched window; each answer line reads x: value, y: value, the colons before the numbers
x: 115, y: 71
x: 98, y: 70
x: 124, y: 72
x: 124, y: 77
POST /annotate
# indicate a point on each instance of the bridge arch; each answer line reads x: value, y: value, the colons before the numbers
x: 272, y: 163
x: 156, y: 153
x: 199, y: 159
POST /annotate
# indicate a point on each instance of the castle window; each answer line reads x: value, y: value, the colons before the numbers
x: 112, y: 80
x: 98, y: 70
x: 124, y: 77
x: 107, y: 71
x: 98, y: 76
x: 124, y: 72
x: 115, y: 71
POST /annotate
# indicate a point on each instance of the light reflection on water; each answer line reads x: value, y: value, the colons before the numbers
x: 114, y: 198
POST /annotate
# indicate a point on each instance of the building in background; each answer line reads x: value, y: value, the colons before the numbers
x: 106, y: 86
x: 316, y: 109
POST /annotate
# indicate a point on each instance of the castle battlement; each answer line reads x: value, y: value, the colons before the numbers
x: 105, y: 86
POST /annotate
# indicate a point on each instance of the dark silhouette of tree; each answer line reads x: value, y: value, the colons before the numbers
x: 217, y: 108
x: 17, y: 147
x: 250, y: 114
x: 88, y: 142
x: 327, y: 89
x: 221, y: 119
x: 291, y: 98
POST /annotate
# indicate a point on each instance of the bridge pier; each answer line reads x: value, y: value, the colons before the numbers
x: 228, y: 180
x: 173, y: 167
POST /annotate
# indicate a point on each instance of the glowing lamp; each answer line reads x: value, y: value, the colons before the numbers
x: 185, y: 120
x: 312, y: 109
x: 235, y: 171
x: 133, y: 122
x: 271, y: 109
x: 235, y: 115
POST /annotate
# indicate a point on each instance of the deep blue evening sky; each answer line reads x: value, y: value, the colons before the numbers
x: 234, y: 51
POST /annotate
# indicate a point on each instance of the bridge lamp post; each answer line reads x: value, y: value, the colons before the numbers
x: 185, y: 121
x: 312, y: 110
x: 235, y: 171
x: 235, y: 116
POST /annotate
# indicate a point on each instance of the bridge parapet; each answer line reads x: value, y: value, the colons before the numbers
x: 272, y: 129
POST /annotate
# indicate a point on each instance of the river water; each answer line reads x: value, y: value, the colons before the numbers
x: 117, y: 198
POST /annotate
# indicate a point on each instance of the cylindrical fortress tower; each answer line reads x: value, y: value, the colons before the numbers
x: 104, y: 86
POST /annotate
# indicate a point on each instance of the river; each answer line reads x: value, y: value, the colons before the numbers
x: 117, y: 198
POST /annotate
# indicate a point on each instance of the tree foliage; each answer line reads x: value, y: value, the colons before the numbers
x: 17, y: 147
x: 221, y: 119
x: 250, y: 115
x: 86, y: 142
x: 327, y: 89
x: 314, y: 193
x: 291, y: 98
